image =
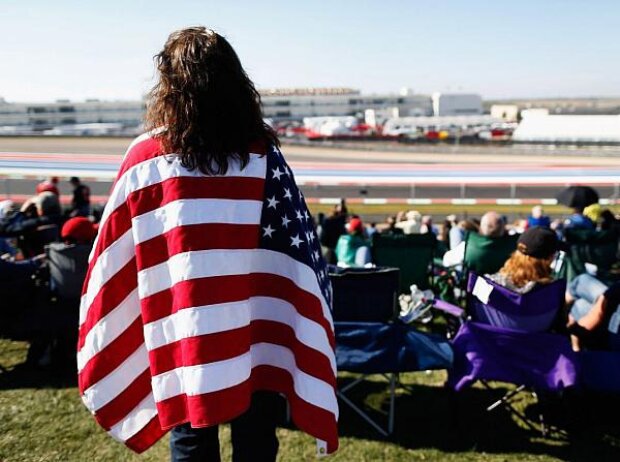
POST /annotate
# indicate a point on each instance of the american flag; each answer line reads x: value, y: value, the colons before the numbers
x: 200, y: 290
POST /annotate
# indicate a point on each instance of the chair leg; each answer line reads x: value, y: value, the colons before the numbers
x: 504, y: 401
x: 392, y: 398
x: 393, y: 380
x: 362, y: 414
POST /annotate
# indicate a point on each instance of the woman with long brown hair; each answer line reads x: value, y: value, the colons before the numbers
x: 204, y: 106
x: 206, y: 295
x: 530, y: 264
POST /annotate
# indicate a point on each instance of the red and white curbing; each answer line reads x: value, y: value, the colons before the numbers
x: 435, y: 201
x: 100, y: 199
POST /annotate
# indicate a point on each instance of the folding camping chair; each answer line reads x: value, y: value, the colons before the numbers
x: 67, y: 266
x: 483, y: 255
x: 369, y: 339
x: 486, y: 255
x: 599, y: 248
x: 412, y: 254
x: 506, y: 338
x: 67, y: 270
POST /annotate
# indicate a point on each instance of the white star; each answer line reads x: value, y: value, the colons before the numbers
x: 287, y: 194
x: 316, y: 254
x: 272, y: 202
x: 295, y: 241
x: 311, y: 236
x: 299, y: 215
x: 268, y: 231
x: 277, y: 173
x: 285, y: 221
x: 287, y: 170
x: 306, y: 216
x: 301, y: 196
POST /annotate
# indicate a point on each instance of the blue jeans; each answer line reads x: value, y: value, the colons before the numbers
x: 362, y: 256
x: 253, y: 435
x: 585, y: 289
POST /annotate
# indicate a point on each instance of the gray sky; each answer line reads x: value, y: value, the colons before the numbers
x: 70, y: 49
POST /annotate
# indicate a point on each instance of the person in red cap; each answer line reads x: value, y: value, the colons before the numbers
x: 49, y: 185
x: 353, y: 249
x: 78, y: 230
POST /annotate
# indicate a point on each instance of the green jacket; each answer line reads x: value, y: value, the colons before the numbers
x: 347, y: 247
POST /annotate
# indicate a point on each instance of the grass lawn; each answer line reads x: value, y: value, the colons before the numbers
x: 43, y: 419
x: 473, y: 210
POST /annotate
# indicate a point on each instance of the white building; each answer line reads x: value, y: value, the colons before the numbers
x: 45, y: 116
x: 279, y: 104
x: 456, y: 104
x: 537, y: 125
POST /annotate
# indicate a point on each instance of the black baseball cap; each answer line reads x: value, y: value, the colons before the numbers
x: 539, y: 242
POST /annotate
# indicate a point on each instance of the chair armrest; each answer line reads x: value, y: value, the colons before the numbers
x: 449, y: 308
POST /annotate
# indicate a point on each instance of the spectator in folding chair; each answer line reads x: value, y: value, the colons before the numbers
x: 485, y: 247
x: 577, y: 220
x: 591, y: 251
x: 538, y: 218
x: 594, y: 324
x: 530, y: 264
x: 594, y: 312
x: 35, y: 225
x: 353, y: 249
x: 67, y: 263
x: 483, y: 252
x: 509, y: 338
x: 69, y: 259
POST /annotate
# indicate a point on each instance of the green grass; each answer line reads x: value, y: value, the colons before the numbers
x: 475, y: 210
x: 43, y: 419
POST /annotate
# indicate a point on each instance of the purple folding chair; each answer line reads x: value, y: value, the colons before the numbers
x: 490, y: 303
x: 506, y: 338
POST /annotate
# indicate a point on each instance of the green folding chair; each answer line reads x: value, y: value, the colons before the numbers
x: 411, y: 253
x: 486, y: 255
x: 600, y: 248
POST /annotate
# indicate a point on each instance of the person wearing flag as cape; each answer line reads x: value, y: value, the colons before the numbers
x: 206, y: 294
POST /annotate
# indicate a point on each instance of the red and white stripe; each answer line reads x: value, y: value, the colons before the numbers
x: 182, y: 317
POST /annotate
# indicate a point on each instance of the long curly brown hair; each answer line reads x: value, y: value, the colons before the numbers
x: 204, y: 106
x: 521, y: 269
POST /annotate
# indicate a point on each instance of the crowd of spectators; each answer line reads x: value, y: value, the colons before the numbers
x: 591, y: 303
x: 43, y: 259
x: 40, y: 229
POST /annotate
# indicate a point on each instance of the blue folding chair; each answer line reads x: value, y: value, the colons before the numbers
x: 370, y: 340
